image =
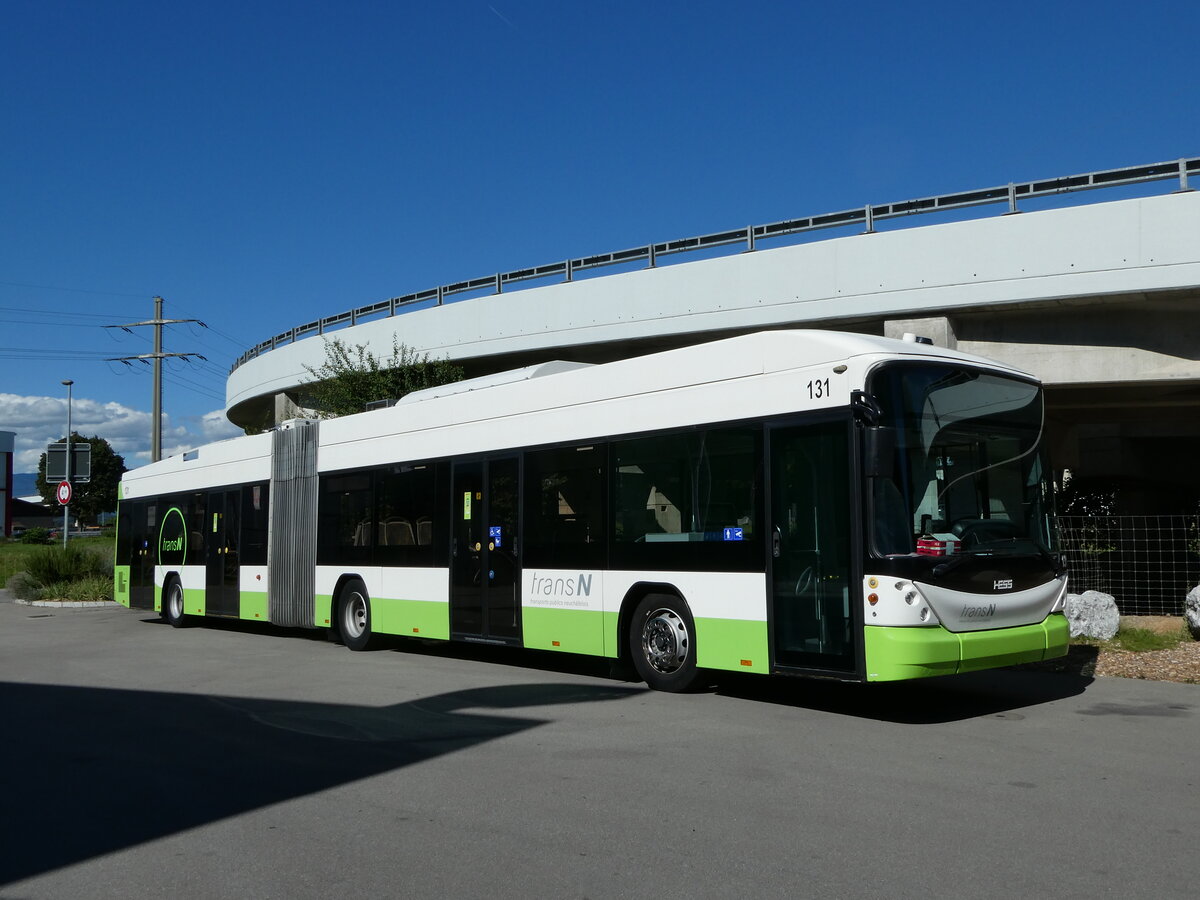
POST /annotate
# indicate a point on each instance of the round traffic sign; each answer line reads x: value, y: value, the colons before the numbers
x: 64, y: 493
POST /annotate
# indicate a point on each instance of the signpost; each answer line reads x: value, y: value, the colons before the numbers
x: 66, y: 482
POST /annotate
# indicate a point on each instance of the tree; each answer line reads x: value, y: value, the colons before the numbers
x: 352, y: 376
x: 93, y: 497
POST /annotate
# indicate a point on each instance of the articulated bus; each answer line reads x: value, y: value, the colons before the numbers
x: 793, y: 502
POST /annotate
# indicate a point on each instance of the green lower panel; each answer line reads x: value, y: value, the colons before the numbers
x: 121, y: 585
x: 988, y: 649
x: 323, y: 611
x: 195, y: 603
x: 895, y: 654
x: 569, y: 630
x: 733, y: 644
x: 253, y: 606
x: 612, y: 635
x: 411, y: 618
x: 1058, y: 636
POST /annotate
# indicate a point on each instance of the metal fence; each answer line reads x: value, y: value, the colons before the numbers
x: 1147, y: 563
x: 740, y: 240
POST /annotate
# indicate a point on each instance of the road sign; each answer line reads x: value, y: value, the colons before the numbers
x: 81, y: 462
x: 64, y: 493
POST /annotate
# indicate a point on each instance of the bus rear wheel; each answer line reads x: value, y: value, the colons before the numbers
x: 172, y: 608
x: 662, y: 643
x: 354, y: 615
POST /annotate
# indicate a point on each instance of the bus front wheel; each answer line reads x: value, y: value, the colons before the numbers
x: 662, y: 643
x: 354, y: 615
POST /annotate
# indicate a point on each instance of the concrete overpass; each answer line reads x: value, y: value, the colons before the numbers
x: 1100, y: 301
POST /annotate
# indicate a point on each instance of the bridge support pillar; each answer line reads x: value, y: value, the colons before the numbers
x: 939, y: 329
x: 286, y: 408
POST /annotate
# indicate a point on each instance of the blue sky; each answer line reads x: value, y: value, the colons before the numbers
x: 263, y: 164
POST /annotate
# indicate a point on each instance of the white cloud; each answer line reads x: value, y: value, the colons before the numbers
x: 39, y: 421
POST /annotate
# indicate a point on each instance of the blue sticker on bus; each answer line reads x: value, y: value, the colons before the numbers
x: 494, y: 534
x: 734, y: 534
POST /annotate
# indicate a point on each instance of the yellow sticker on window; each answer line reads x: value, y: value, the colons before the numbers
x: 215, y: 522
x: 466, y: 505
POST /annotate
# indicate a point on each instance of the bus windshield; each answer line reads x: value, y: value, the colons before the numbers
x: 958, y: 463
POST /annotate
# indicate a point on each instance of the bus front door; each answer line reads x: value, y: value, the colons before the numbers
x: 143, y: 550
x: 810, y: 549
x: 484, y: 566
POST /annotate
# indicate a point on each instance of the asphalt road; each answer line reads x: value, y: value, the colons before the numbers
x: 240, y: 761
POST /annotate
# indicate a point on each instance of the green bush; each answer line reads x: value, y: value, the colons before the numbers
x: 35, y: 536
x: 54, y: 564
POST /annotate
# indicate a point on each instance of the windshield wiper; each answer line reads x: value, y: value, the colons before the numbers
x: 957, y: 561
x: 960, y: 559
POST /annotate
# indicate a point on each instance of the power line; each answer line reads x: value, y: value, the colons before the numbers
x: 240, y: 344
x: 42, y: 311
x: 194, y: 387
x: 31, y: 353
x: 214, y: 351
x: 51, y: 287
x: 50, y: 324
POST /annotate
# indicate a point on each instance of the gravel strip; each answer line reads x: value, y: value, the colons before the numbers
x: 1180, y: 663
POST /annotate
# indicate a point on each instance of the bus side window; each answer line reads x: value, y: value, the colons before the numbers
x: 564, y: 507
x: 344, y: 512
x: 406, y: 505
x: 255, y: 508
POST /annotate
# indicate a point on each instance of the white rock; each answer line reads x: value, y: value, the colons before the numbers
x: 1093, y: 614
x: 1191, y: 611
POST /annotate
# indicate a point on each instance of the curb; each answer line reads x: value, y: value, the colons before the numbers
x: 68, y: 604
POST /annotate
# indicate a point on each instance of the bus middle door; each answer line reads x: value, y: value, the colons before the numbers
x: 484, y: 567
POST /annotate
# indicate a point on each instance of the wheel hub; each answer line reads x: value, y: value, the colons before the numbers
x: 355, y: 617
x: 665, y: 641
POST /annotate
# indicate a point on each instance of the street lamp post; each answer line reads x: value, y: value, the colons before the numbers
x: 67, y: 508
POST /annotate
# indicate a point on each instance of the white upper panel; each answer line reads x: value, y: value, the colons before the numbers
x: 234, y: 461
x: 761, y: 374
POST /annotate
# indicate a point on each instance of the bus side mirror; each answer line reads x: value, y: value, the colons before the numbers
x: 879, y: 451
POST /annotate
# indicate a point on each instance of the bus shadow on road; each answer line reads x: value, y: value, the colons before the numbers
x: 927, y: 701
x: 94, y: 771
x: 495, y: 654
x: 930, y: 701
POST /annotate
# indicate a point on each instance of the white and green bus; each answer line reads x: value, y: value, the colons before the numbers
x: 795, y: 502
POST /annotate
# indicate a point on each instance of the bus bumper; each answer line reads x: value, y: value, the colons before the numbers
x: 897, y: 654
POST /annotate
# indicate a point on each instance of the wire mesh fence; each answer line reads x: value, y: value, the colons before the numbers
x: 1147, y: 563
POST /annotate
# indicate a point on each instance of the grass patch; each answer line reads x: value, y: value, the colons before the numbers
x: 14, y: 557
x: 1139, y: 640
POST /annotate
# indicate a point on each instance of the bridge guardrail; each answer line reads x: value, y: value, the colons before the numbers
x: 749, y: 237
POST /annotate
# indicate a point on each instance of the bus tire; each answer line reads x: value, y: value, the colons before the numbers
x: 172, y: 604
x: 354, y: 615
x: 662, y: 643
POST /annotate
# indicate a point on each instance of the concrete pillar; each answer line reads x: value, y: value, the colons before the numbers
x: 939, y: 329
x: 286, y: 408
